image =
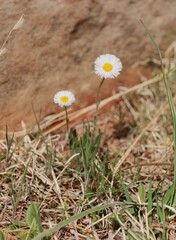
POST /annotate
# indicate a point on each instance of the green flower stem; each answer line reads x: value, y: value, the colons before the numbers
x: 98, y: 102
x: 67, y: 119
x: 97, y: 96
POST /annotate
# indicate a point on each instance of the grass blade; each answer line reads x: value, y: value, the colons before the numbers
x: 170, y: 101
x: 64, y: 223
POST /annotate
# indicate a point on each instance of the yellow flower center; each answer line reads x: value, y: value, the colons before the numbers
x: 64, y: 99
x: 107, y: 67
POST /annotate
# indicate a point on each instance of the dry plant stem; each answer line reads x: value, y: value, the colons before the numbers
x: 137, y: 223
x: 58, y: 191
x: 14, y: 27
x: 99, y: 220
x: 147, y: 164
x: 56, y: 180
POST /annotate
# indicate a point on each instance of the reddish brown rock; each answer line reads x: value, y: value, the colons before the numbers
x: 58, y: 43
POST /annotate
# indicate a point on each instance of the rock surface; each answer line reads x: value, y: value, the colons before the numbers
x: 58, y: 43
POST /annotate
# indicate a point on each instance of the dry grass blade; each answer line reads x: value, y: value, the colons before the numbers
x: 19, y: 24
x: 3, y: 51
x: 120, y: 162
x: 58, y: 191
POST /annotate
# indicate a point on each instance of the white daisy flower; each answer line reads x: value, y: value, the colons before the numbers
x: 64, y: 98
x: 107, y: 66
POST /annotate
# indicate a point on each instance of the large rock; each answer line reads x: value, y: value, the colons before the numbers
x: 58, y: 43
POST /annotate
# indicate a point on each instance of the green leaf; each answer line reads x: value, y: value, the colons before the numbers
x: 64, y: 223
x: 142, y: 192
x: 160, y: 211
x: 129, y: 199
x: 2, y: 236
x: 33, y: 218
x: 150, y: 204
x: 2, y: 157
x: 168, y: 195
